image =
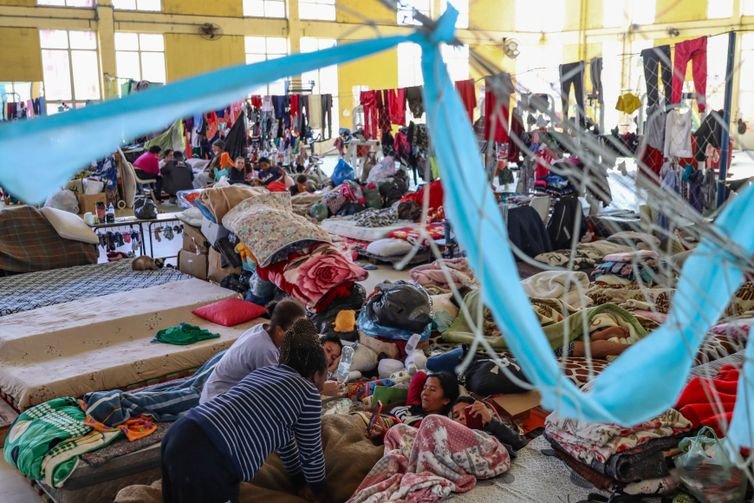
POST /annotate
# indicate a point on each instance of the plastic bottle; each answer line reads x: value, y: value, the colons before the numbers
x: 346, y: 356
x: 110, y: 215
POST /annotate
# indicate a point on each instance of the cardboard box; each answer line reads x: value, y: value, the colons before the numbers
x: 213, y: 232
x: 193, y: 264
x: 517, y: 404
x: 193, y: 245
x: 215, y: 271
x: 88, y: 202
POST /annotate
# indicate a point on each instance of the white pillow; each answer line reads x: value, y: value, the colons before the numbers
x: 389, y: 247
x: 70, y: 226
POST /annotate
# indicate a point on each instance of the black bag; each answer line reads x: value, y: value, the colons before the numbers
x: 400, y: 305
x: 485, y: 378
x: 144, y: 208
x: 560, y: 227
x: 324, y: 320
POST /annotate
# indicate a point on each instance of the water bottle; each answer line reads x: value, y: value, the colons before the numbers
x: 344, y: 367
x: 110, y: 215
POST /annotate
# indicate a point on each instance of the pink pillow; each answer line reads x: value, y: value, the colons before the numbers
x: 230, y: 312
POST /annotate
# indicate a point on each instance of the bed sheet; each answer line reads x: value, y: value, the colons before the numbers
x: 24, y: 292
x: 346, y: 227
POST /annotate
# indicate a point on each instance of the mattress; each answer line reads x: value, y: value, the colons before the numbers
x: 102, y: 343
x: 24, y: 292
x: 347, y: 228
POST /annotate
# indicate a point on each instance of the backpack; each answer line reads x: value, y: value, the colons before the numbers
x: 400, y: 305
x: 144, y: 208
x: 560, y: 227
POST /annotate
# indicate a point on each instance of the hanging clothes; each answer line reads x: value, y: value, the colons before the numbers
x: 516, y: 137
x: 383, y: 109
x: 415, y: 101
x: 696, y: 51
x: 315, y: 112
x: 709, y: 134
x: 496, y: 100
x: 651, y: 163
x: 595, y: 74
x: 326, y: 104
x: 678, y: 134
x: 467, y: 92
x: 256, y: 101
x: 671, y: 182
x: 397, y: 106
x: 303, y: 114
x: 572, y: 75
x: 651, y: 59
x: 654, y: 128
x: 368, y: 100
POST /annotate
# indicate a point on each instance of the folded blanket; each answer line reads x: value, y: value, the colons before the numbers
x: 595, y: 443
x: 220, y: 200
x: 586, y: 255
x: 432, y: 275
x: 569, y: 286
x: 431, y: 462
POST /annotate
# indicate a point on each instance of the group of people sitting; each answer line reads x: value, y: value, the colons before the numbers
x: 171, y: 174
x: 263, y: 396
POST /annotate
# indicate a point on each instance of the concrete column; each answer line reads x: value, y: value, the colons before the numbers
x: 106, y: 45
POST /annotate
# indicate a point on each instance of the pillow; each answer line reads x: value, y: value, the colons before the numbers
x: 389, y: 247
x: 230, y: 312
x: 70, y: 226
x: 280, y: 200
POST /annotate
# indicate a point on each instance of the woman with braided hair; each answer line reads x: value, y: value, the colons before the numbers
x: 219, y: 444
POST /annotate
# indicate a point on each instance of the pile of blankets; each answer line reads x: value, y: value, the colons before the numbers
x: 612, y: 457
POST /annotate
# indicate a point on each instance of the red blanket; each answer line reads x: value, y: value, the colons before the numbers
x: 429, y: 463
x: 710, y: 402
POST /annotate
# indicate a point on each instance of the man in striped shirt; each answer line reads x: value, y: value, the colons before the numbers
x: 225, y: 441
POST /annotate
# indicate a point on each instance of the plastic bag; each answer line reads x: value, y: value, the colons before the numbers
x: 63, y: 200
x: 342, y: 172
x: 706, y: 470
x: 145, y: 209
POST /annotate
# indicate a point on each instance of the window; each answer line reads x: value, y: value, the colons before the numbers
x: 716, y: 71
x: 262, y: 49
x: 66, y: 3
x: 264, y: 8
x: 717, y: 9
x: 325, y: 79
x: 537, y: 70
x: 148, y: 5
x: 62, y: 52
x: 457, y: 61
x: 409, y: 65
x: 625, y: 12
x: 747, y: 7
x: 746, y: 92
x: 462, y: 6
x: 540, y: 15
x: 140, y: 56
x: 405, y: 10
x: 317, y: 9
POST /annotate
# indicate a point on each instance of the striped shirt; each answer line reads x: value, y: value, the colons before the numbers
x: 273, y: 409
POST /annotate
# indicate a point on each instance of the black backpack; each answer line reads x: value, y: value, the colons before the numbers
x: 560, y: 227
x: 400, y: 305
x: 144, y: 208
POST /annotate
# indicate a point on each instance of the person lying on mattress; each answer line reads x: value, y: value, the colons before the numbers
x: 256, y: 348
x: 439, y: 392
x: 483, y: 418
x: 217, y: 445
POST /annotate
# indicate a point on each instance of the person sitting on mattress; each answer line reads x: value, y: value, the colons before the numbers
x: 490, y: 424
x: 217, y: 445
x: 267, y: 172
x: 256, y: 348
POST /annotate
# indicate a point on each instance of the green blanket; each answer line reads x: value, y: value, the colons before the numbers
x: 558, y: 331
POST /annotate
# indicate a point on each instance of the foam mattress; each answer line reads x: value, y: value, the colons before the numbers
x: 104, y: 343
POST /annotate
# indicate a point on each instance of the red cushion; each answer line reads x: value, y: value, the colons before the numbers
x: 230, y: 312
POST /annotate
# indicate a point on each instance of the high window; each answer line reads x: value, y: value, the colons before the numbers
x: 140, y: 56
x: 317, y: 9
x: 264, y: 8
x: 263, y: 49
x: 62, y: 52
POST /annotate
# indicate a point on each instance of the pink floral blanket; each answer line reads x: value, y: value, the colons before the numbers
x: 429, y: 463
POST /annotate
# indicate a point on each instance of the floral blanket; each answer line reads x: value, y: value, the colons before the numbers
x: 432, y: 277
x: 430, y: 462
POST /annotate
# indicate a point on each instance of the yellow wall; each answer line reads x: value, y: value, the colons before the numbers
x: 495, y: 15
x: 23, y: 3
x: 357, y: 11
x: 671, y: 11
x: 20, y: 57
x: 204, y: 7
x: 190, y: 54
x: 377, y: 72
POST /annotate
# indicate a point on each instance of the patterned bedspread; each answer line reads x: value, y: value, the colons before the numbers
x: 24, y: 292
